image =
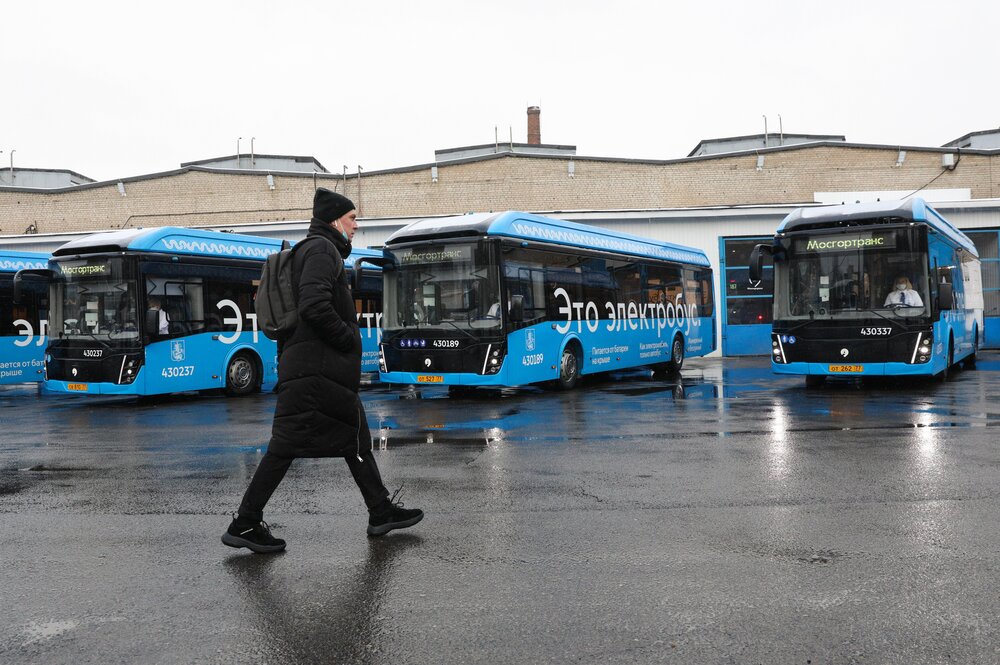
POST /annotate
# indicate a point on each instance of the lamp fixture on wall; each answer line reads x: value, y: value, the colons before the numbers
x: 121, y: 188
x: 270, y: 181
x: 434, y: 173
x: 900, y: 158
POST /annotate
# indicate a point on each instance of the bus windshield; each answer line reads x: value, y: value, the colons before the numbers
x: 857, y: 275
x: 443, y: 286
x: 95, y: 300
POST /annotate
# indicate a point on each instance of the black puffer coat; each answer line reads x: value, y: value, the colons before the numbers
x: 319, y: 413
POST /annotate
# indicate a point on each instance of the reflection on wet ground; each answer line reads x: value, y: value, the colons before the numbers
x: 723, y: 515
x: 724, y: 397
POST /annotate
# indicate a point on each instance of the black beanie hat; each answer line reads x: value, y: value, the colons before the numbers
x: 329, y: 205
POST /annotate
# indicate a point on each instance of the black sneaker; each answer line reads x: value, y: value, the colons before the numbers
x: 390, y: 515
x: 256, y: 537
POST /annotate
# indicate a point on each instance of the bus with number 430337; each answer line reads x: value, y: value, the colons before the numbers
x: 872, y: 289
x: 510, y: 298
x: 166, y: 310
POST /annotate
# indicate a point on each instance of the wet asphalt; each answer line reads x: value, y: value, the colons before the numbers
x: 723, y: 516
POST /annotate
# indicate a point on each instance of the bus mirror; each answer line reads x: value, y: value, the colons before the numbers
x: 359, y: 262
x: 28, y: 273
x: 757, y: 261
x: 389, y: 261
x: 151, y: 324
x: 517, y: 308
x: 946, y: 297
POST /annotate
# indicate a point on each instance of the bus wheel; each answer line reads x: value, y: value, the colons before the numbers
x: 815, y: 380
x: 242, y: 376
x: 943, y: 376
x: 676, y: 355
x: 569, y: 367
x: 970, y: 360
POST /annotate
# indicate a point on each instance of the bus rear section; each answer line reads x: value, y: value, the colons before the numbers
x: 512, y: 299
x: 23, y: 321
x: 887, y: 289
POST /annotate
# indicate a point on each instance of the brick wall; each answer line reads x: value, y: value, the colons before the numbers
x: 200, y: 197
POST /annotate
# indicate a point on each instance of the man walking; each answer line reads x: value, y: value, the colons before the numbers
x: 319, y: 412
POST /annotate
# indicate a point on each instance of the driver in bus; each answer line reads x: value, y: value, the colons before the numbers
x: 903, y: 294
x: 164, y: 327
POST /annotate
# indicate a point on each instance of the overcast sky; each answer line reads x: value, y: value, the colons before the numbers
x: 116, y: 89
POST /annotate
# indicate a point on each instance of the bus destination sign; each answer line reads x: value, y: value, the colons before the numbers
x: 846, y: 242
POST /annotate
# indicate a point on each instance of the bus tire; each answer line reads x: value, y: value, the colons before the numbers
x: 569, y: 367
x: 242, y: 375
x: 944, y: 375
x: 676, y: 355
x: 970, y: 360
x: 815, y: 380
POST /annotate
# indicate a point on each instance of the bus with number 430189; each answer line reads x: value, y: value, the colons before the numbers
x: 872, y: 289
x: 510, y: 298
x: 166, y: 310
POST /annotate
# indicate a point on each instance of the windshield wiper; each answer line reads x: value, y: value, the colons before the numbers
x: 459, y: 329
x: 106, y: 346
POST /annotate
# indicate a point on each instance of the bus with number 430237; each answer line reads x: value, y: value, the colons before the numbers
x: 166, y: 310
x: 872, y: 289
x: 22, y: 323
x: 510, y: 298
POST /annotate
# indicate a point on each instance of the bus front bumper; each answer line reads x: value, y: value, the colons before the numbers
x: 448, y: 379
x: 88, y: 388
x: 848, y: 371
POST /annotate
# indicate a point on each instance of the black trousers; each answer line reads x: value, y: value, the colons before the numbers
x: 272, y: 469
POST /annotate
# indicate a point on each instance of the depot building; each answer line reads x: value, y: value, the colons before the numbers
x: 724, y: 197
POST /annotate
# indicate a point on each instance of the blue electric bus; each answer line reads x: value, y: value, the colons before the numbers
x: 889, y: 288
x: 511, y: 298
x: 165, y: 310
x: 22, y: 323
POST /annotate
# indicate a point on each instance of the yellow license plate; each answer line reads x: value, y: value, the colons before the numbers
x: 77, y: 386
x: 847, y: 368
x: 425, y: 378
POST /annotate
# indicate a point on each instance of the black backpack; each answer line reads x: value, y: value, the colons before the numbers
x: 276, y: 303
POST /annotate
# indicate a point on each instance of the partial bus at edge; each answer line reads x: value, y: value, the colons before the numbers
x: 835, y: 315
x: 165, y: 310
x: 511, y: 299
x: 22, y: 323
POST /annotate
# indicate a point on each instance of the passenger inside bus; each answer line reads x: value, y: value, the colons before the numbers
x: 903, y: 294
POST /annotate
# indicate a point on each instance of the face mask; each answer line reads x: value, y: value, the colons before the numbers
x: 901, y: 287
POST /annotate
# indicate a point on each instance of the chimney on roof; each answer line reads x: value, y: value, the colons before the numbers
x: 534, y: 125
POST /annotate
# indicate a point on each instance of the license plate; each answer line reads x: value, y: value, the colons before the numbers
x: 426, y: 378
x: 77, y: 386
x: 847, y: 368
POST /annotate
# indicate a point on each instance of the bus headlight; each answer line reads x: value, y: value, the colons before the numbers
x: 130, y: 369
x: 922, y: 349
x: 381, y: 358
x: 777, y: 353
x: 495, y: 354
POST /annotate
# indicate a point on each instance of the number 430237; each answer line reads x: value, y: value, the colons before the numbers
x: 173, y: 372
